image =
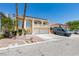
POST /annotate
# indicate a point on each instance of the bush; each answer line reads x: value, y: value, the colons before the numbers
x: 25, y: 32
x: 14, y: 33
x: 1, y: 35
x: 20, y: 31
x: 6, y: 34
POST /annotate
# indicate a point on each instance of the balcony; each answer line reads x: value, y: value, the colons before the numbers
x: 40, y: 25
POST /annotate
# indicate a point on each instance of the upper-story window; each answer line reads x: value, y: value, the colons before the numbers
x: 45, y: 23
x: 39, y: 22
x: 28, y: 24
x: 35, y: 22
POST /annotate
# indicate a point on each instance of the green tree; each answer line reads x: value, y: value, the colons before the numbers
x: 73, y: 25
x: 6, y: 24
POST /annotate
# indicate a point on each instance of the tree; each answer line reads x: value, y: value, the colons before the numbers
x: 24, y: 16
x: 6, y: 24
x: 1, y: 15
x: 16, y: 15
x: 73, y: 25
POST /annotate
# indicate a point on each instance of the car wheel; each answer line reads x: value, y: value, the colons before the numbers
x: 65, y: 34
x: 54, y: 32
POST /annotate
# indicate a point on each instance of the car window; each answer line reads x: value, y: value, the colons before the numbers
x: 63, y: 30
x: 60, y: 29
x: 51, y: 28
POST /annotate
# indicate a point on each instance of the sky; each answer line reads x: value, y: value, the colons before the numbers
x: 53, y: 12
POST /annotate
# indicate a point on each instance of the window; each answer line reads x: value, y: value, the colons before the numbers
x: 35, y: 22
x: 28, y: 24
x: 44, y: 23
x: 39, y: 22
x: 20, y: 23
x: 51, y: 28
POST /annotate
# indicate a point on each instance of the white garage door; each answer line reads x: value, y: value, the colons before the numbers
x: 44, y: 31
x: 40, y: 31
x: 36, y: 31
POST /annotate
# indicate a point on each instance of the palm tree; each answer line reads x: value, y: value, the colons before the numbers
x: 24, y: 15
x: 16, y: 15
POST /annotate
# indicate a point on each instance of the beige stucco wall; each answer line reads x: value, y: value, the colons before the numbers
x: 33, y: 26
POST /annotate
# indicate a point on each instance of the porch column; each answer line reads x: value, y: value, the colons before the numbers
x: 42, y: 23
x: 33, y: 26
x: 25, y: 24
x: 49, y: 29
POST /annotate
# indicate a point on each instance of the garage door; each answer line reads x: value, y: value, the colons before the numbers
x: 40, y: 31
x: 43, y: 31
x: 36, y: 31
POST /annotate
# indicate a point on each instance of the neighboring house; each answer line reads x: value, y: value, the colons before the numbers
x: 34, y: 25
x: 60, y: 25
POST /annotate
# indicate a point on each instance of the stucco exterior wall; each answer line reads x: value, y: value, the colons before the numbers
x: 36, y: 28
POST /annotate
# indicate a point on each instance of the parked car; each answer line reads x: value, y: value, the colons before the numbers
x: 60, y: 31
x: 70, y: 31
x: 76, y: 31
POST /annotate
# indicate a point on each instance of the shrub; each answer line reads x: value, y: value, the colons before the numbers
x: 25, y: 32
x: 20, y: 31
x: 14, y: 33
x: 1, y: 35
x: 6, y: 34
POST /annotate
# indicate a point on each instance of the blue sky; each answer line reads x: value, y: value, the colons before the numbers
x: 53, y: 12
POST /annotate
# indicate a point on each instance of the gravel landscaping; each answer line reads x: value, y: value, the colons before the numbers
x: 19, y: 40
